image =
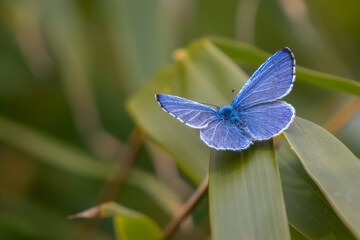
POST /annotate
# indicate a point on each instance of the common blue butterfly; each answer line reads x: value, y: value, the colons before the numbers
x: 253, y: 115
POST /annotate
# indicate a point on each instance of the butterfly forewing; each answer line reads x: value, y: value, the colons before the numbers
x: 193, y: 114
x: 273, y: 80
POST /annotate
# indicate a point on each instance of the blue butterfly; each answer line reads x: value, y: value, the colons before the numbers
x: 253, y: 115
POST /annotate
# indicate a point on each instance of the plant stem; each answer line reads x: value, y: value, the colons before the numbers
x: 186, y: 209
x: 116, y: 183
x: 124, y: 166
x: 343, y: 116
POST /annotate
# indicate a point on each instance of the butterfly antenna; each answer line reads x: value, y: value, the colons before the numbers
x: 232, y: 91
x: 209, y: 104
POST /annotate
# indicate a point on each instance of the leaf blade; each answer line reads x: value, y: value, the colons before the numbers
x: 72, y: 160
x: 127, y: 228
x: 129, y: 224
x: 307, y: 209
x: 242, y: 52
x: 245, y: 195
x: 319, y: 152
x: 127, y: 221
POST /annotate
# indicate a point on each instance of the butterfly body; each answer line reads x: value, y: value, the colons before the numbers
x: 228, y: 113
x: 254, y: 115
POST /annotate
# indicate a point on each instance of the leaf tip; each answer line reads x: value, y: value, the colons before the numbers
x: 89, y: 213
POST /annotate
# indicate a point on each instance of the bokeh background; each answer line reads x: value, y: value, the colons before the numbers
x: 68, y: 66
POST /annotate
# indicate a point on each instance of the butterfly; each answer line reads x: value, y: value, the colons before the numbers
x: 254, y: 115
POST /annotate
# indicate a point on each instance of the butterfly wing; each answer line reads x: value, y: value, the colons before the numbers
x: 273, y: 80
x: 266, y: 120
x: 222, y: 135
x: 191, y: 113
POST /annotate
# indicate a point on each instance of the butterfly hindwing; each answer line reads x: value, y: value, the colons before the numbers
x: 272, y: 80
x: 266, y: 120
x: 193, y: 114
x: 222, y: 135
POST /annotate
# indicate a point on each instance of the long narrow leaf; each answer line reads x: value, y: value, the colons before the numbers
x: 332, y: 166
x: 245, y: 195
x: 62, y: 156
x: 242, y: 52
x: 296, y: 235
x: 307, y: 209
x: 129, y: 224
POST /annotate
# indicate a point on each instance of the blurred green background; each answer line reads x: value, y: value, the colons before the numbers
x: 67, y: 68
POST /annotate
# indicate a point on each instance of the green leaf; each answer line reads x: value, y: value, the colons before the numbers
x: 62, y: 156
x: 201, y: 73
x: 329, y: 81
x: 242, y: 52
x: 307, y: 209
x: 129, y: 224
x: 138, y: 35
x: 296, y: 235
x: 245, y: 195
x: 332, y: 166
x: 131, y: 228
x: 52, y: 151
